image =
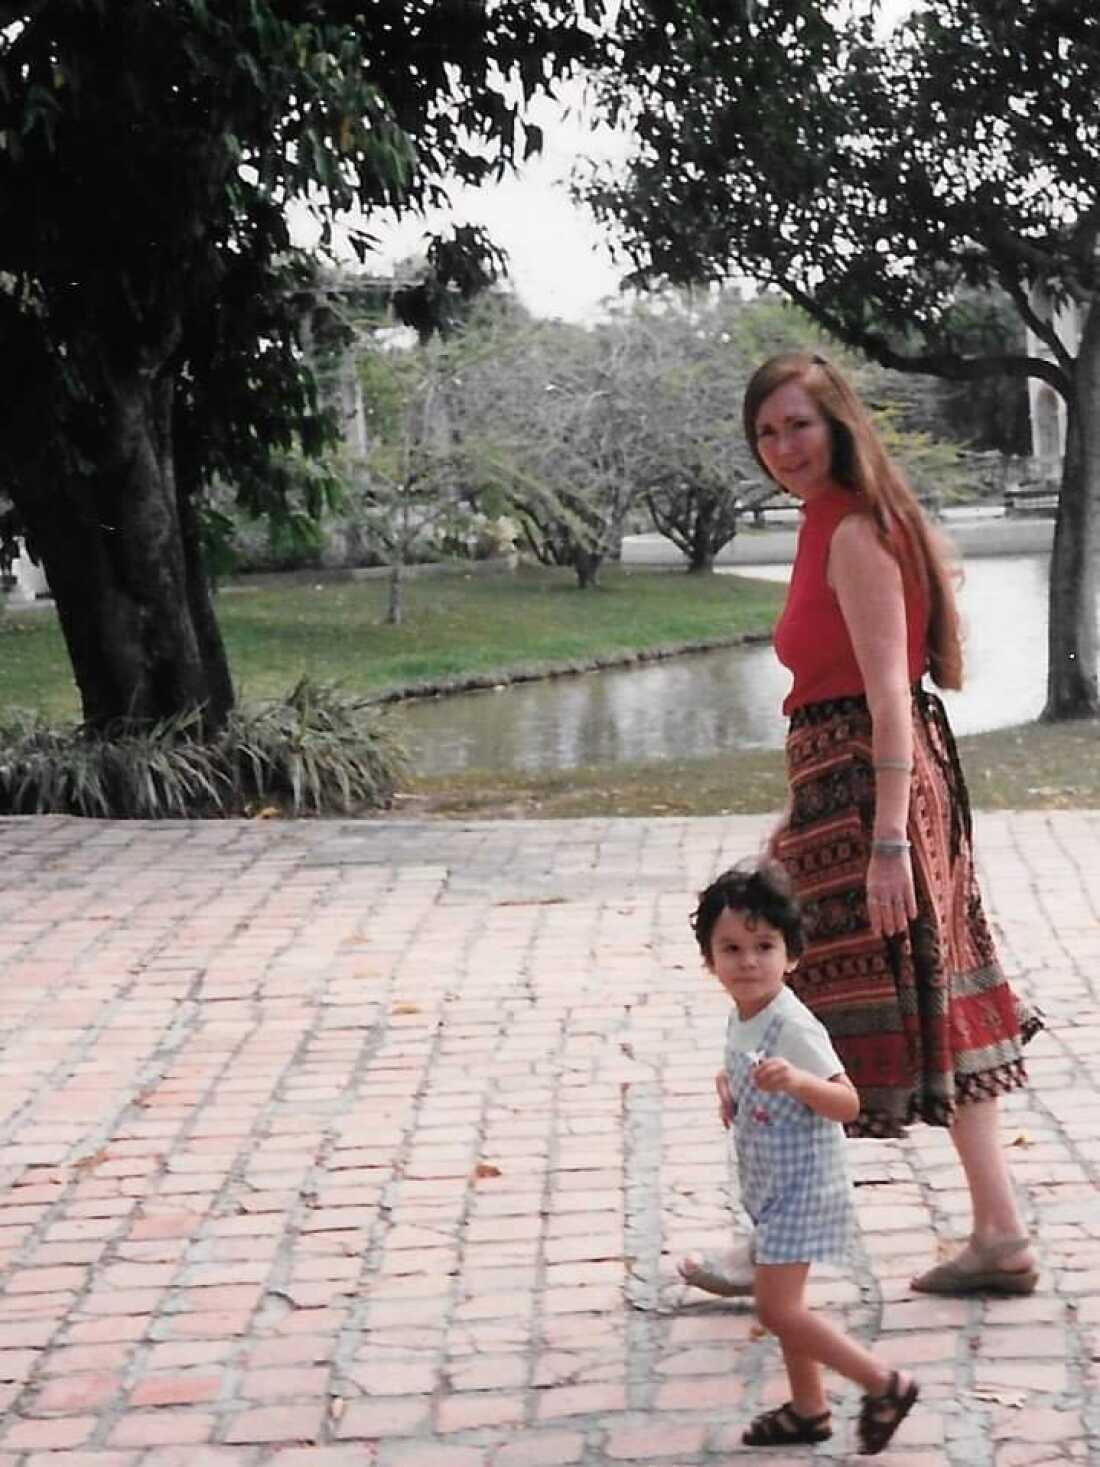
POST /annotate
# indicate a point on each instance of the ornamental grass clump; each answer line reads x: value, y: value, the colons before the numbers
x: 317, y: 751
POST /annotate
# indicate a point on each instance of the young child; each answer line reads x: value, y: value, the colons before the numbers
x: 787, y: 1097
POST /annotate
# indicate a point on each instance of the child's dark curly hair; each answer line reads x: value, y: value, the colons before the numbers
x: 758, y: 890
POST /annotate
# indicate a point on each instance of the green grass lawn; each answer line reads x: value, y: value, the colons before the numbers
x: 455, y: 626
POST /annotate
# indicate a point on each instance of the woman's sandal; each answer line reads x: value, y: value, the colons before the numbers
x: 784, y: 1427
x: 880, y: 1416
x: 989, y: 1276
x: 715, y: 1273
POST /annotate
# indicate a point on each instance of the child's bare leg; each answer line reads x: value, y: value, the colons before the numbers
x: 807, y: 1381
x: 808, y: 1341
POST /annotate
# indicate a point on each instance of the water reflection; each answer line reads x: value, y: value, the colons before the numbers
x: 706, y: 702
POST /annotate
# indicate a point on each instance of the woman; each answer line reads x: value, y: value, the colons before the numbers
x: 900, y: 965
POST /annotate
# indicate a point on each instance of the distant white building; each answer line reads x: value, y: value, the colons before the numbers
x: 28, y: 581
x: 1047, y: 407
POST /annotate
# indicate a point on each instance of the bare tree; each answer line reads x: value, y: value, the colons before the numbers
x: 410, y: 480
x: 549, y: 423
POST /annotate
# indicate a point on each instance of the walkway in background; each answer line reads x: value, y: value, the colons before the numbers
x: 974, y: 533
x: 370, y: 1145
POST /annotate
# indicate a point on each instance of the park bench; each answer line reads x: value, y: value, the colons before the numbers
x: 762, y: 498
x: 1028, y: 499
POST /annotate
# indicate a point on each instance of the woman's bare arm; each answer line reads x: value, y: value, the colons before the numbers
x: 868, y: 586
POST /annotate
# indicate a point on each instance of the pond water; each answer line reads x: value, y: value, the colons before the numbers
x: 727, y: 699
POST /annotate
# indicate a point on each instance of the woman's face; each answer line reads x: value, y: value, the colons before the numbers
x: 794, y: 441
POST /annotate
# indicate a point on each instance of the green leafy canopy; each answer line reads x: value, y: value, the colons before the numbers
x: 872, y: 177
x: 153, y: 308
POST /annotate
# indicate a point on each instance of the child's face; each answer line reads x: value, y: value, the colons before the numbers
x: 749, y: 958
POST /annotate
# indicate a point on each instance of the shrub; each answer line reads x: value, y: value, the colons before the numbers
x: 317, y: 751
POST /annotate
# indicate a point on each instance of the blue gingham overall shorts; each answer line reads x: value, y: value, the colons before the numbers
x: 793, y: 1171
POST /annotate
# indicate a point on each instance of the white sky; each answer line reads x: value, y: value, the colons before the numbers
x: 559, y: 260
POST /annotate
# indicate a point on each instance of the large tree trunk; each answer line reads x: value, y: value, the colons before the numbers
x: 1071, y: 639
x: 220, y: 697
x: 125, y: 572
x: 587, y: 563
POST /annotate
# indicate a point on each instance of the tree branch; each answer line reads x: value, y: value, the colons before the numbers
x: 948, y: 365
x: 1039, y: 327
x: 1039, y: 264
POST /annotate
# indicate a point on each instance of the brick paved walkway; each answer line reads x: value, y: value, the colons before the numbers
x: 371, y: 1145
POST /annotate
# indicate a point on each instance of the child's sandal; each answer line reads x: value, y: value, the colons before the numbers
x: 880, y: 1416
x: 784, y: 1427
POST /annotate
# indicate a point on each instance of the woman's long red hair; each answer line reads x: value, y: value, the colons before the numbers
x: 860, y: 463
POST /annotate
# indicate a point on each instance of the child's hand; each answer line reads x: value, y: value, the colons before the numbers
x: 777, y: 1076
x: 725, y: 1098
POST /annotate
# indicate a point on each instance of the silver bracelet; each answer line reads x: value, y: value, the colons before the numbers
x: 889, y: 847
x: 893, y: 764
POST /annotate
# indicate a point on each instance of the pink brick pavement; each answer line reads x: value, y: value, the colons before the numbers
x: 331, y: 1143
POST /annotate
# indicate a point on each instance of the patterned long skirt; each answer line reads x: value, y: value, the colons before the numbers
x: 925, y: 1021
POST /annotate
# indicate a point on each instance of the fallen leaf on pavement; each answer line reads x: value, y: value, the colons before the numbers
x: 1001, y: 1398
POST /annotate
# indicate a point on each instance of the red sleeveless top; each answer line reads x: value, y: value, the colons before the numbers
x: 811, y: 636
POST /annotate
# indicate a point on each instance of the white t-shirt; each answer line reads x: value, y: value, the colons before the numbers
x: 803, y: 1041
